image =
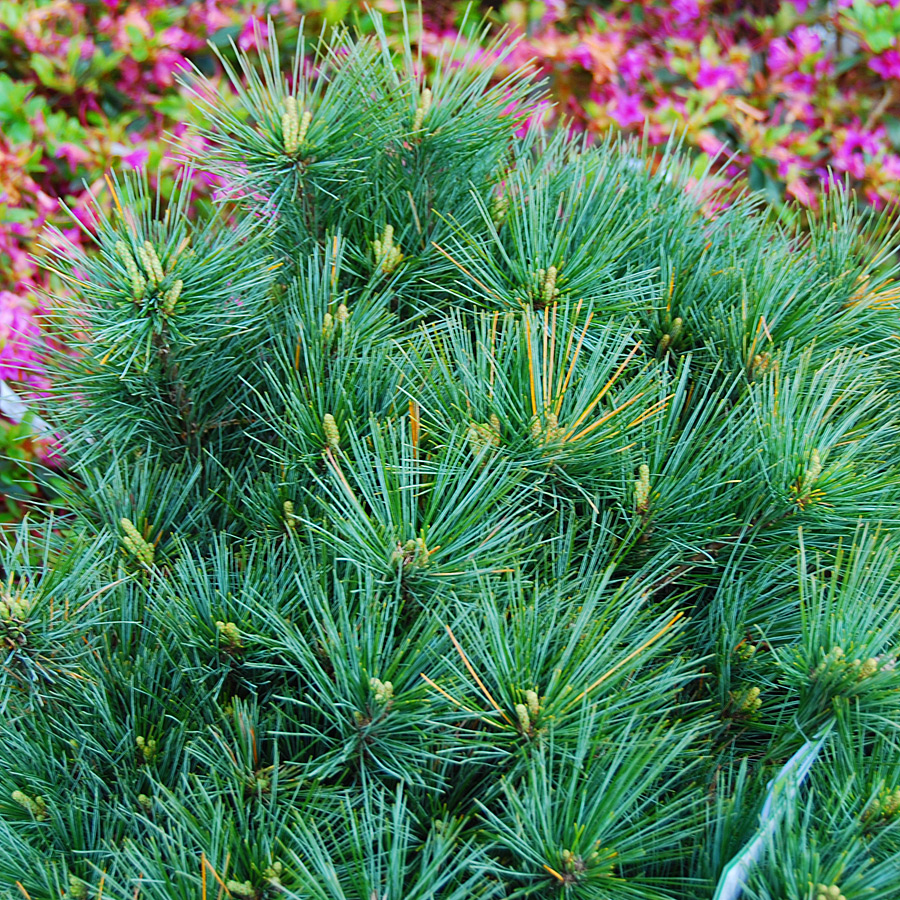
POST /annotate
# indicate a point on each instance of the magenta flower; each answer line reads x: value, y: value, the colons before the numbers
x: 175, y: 38
x: 715, y: 78
x: 632, y: 65
x: 802, y: 192
x: 581, y: 56
x: 168, y: 62
x: 554, y: 10
x: 253, y: 28
x: 807, y: 41
x: 890, y: 167
x: 136, y: 158
x: 73, y: 155
x: 18, y: 332
x: 711, y: 145
x: 625, y: 109
x: 780, y: 57
x: 686, y: 11
x: 887, y: 65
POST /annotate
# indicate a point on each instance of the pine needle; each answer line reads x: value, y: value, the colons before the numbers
x: 584, y: 331
x: 627, y: 659
x: 610, y: 382
x: 478, y: 681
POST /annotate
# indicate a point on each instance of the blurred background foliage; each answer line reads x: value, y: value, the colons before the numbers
x: 787, y: 98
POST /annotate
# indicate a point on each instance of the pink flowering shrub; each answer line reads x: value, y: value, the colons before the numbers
x: 798, y: 94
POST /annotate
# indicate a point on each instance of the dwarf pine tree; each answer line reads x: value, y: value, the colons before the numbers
x: 462, y: 512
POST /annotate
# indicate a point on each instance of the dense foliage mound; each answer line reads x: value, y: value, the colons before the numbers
x: 463, y: 515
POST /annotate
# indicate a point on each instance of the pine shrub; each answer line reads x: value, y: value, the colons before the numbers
x: 462, y: 512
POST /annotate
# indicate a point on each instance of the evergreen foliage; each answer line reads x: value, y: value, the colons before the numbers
x: 463, y: 514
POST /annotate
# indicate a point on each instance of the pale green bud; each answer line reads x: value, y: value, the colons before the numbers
x: 77, y: 888
x: 386, y: 252
x: 751, y: 701
x: 829, y: 892
x: 552, y: 432
x: 138, y: 282
x: 642, y: 489
x: 134, y: 542
x: 147, y: 747
x: 290, y: 126
x: 303, y: 128
x: 383, y: 690
x: 170, y: 298
x: 243, y: 889
x: 483, y: 434
x: 523, y: 717
x: 868, y: 668
x: 37, y: 806
x: 230, y: 633
x: 150, y: 262
x: 332, y: 435
x: 499, y: 209
x: 275, y: 872
x: 422, y: 109
x: 549, y: 291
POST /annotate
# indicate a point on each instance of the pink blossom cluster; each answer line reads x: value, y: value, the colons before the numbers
x: 798, y: 95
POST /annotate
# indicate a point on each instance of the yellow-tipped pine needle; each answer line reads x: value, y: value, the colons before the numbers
x: 455, y: 702
x: 22, y: 889
x: 603, y: 390
x: 627, y: 659
x: 415, y: 212
x: 565, y: 386
x: 93, y: 597
x: 554, y: 873
x: 651, y: 410
x: 493, y: 375
x: 203, y: 874
x: 115, y: 196
x: 215, y: 874
x: 545, y: 361
x: 337, y: 471
x: 530, y: 365
x: 65, y: 275
x: 606, y: 418
x: 472, y: 672
x: 334, y: 250
x: 100, y: 888
x: 752, y: 352
x: 552, y: 363
x: 491, y: 534
x: 462, y: 268
x: 297, y: 355
x: 414, y: 424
